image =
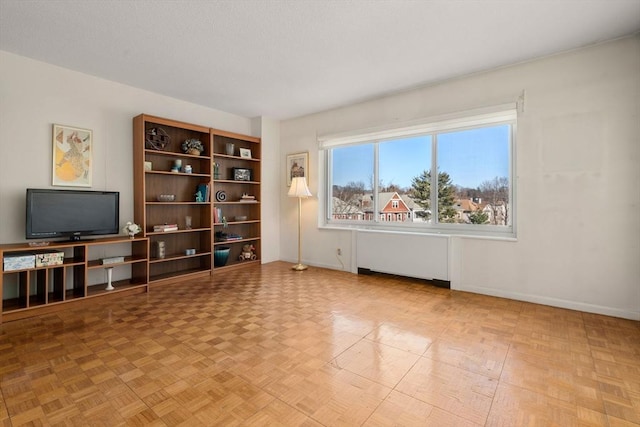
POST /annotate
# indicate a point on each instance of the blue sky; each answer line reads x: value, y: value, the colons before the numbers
x: 470, y: 157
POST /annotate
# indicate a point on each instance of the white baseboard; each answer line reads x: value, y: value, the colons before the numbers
x: 554, y: 302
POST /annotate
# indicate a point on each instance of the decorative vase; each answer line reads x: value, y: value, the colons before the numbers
x: 132, y: 235
x: 220, y: 256
x: 193, y: 152
x: 109, y: 277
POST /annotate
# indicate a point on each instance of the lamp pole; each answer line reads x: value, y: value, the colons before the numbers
x: 299, y: 266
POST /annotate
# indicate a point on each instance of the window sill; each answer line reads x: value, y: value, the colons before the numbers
x: 464, y: 234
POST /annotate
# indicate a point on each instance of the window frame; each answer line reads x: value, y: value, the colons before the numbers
x: 494, y: 116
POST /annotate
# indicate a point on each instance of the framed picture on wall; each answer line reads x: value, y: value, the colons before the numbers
x: 72, y: 156
x: 297, y: 165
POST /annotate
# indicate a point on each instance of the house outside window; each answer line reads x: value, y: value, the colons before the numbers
x: 386, y: 177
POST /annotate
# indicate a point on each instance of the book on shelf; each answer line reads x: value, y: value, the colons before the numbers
x: 217, y: 215
x: 203, y: 190
x: 247, y: 198
x: 112, y: 260
x: 232, y: 236
x: 224, y: 237
x: 165, y: 230
x: 165, y: 227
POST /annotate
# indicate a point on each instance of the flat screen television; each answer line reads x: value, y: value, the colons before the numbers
x: 71, y: 213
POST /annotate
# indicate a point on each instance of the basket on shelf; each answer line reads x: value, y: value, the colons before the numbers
x: 193, y: 147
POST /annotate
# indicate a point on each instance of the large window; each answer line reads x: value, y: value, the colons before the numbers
x: 453, y: 176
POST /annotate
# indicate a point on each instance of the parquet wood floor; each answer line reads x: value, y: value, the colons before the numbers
x: 268, y: 346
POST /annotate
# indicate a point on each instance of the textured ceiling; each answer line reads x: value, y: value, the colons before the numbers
x: 284, y: 58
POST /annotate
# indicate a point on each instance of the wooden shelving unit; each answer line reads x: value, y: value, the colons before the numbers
x: 37, y: 290
x: 241, y: 218
x: 153, y: 177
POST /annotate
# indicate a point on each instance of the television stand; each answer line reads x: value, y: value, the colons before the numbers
x: 30, y: 289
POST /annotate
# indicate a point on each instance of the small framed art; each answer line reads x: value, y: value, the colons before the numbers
x: 297, y: 165
x: 245, y: 153
x: 241, y: 174
x: 72, y: 149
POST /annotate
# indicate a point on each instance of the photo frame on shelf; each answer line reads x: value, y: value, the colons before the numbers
x: 241, y: 174
x: 245, y: 153
x: 297, y: 165
x: 72, y: 156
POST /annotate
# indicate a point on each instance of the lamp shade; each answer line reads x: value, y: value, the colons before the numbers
x: 299, y: 188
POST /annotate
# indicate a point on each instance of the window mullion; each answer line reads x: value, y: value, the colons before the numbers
x: 376, y: 214
x: 434, y: 180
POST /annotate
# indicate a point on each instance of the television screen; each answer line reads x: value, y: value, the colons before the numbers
x: 71, y: 213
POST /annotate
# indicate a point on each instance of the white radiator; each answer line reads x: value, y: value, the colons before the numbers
x: 404, y: 254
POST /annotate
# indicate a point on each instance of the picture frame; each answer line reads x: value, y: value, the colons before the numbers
x: 242, y: 174
x: 72, y: 164
x: 297, y: 164
x: 245, y: 153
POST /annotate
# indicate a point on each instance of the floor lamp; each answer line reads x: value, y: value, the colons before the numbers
x: 300, y: 190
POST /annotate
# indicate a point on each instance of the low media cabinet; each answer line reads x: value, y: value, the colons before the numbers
x: 28, y: 290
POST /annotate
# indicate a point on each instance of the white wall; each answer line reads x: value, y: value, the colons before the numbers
x: 578, y: 192
x: 270, y: 188
x: 34, y: 95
